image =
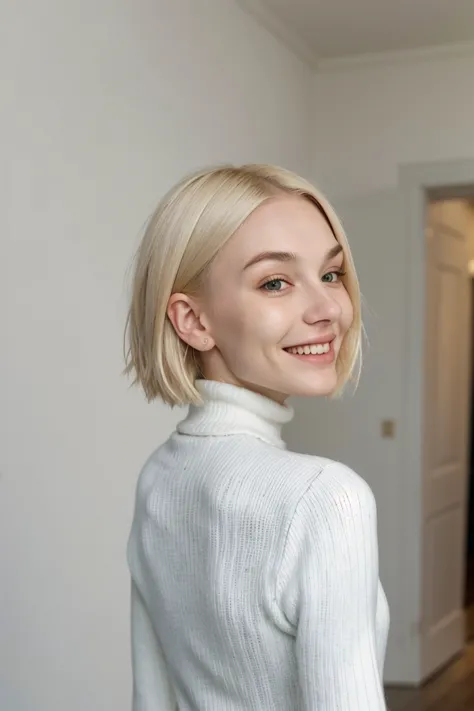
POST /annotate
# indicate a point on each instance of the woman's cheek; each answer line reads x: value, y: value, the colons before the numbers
x: 347, y: 312
x: 273, y: 322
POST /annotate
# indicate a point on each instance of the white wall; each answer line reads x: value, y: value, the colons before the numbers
x: 368, y: 119
x: 104, y: 105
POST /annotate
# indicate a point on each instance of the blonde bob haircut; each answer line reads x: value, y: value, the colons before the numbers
x: 191, y: 224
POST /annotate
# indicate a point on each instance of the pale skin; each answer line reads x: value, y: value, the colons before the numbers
x: 276, y: 284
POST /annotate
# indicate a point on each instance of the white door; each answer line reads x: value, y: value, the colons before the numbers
x: 445, y: 448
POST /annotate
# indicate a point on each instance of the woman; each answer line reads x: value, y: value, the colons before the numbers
x: 254, y: 569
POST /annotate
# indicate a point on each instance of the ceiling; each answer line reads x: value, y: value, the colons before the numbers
x: 326, y: 29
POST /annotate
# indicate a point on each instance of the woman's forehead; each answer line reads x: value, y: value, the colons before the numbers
x: 288, y: 224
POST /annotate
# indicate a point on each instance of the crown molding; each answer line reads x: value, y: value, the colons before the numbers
x: 292, y: 40
x: 408, y: 56
x: 281, y: 30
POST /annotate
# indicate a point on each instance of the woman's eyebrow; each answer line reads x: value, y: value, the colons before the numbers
x: 333, y: 252
x: 274, y: 256
x: 287, y: 256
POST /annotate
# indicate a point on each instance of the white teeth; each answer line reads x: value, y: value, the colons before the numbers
x: 313, y: 349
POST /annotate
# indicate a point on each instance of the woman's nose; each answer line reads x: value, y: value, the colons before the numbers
x: 323, y: 307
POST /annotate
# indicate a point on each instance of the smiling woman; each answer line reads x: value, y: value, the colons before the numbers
x: 213, y: 242
x: 254, y: 569
x: 270, y: 301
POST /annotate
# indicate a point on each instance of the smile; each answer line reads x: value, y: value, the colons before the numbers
x: 310, y: 349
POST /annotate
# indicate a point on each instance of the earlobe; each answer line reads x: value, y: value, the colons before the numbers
x: 184, y: 314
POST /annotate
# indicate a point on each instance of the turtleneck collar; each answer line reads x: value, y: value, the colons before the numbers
x: 230, y: 410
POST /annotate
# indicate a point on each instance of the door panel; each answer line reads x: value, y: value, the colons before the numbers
x: 445, y: 433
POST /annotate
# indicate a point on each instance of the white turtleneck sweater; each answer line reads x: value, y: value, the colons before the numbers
x: 255, y: 581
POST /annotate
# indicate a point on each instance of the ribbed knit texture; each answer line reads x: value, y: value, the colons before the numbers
x: 255, y: 581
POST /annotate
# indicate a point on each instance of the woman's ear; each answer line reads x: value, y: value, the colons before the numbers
x: 185, y: 315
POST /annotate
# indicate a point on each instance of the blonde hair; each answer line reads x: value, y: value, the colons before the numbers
x: 190, y: 225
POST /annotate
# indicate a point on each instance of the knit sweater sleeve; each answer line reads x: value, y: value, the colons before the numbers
x: 152, y: 690
x: 327, y: 590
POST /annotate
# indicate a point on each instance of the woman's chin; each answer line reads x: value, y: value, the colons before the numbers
x: 322, y: 385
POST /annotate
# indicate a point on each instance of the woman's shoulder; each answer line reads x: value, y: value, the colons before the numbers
x: 310, y: 485
x: 338, y: 479
x: 337, y: 494
x: 317, y: 474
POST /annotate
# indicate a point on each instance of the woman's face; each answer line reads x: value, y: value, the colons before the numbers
x: 273, y: 303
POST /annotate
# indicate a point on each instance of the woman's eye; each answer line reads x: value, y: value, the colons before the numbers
x: 274, y: 285
x: 333, y: 276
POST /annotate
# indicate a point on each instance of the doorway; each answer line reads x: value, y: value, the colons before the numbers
x: 448, y: 494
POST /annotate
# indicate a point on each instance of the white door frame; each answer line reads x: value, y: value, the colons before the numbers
x: 415, y: 181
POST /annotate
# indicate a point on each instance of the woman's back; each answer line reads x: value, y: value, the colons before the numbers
x: 245, y: 561
x: 254, y: 570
